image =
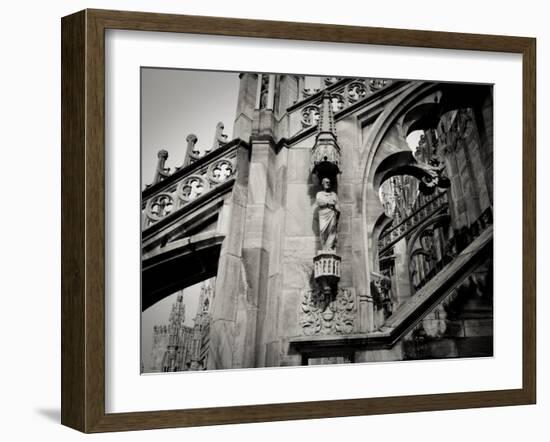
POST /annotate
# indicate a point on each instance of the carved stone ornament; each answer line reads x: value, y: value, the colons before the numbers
x: 325, y: 314
x: 356, y: 91
x: 310, y: 115
x: 192, y: 188
x: 329, y: 81
x: 221, y: 170
x: 376, y: 84
x: 159, y: 206
x: 338, y: 102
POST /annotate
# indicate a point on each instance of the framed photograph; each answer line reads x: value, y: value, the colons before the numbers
x: 267, y: 221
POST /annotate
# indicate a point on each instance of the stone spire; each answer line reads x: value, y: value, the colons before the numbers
x: 325, y: 157
x: 326, y: 116
x: 171, y: 360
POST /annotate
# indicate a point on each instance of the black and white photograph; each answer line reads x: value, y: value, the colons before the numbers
x: 294, y: 220
x: 275, y: 221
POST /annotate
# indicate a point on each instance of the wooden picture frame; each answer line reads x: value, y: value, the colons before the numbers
x: 83, y: 220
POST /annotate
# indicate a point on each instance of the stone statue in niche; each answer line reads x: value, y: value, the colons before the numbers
x: 329, y: 214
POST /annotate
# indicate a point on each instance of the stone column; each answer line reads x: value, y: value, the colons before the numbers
x: 230, y: 306
x: 257, y: 247
x: 246, y: 102
x: 271, y: 93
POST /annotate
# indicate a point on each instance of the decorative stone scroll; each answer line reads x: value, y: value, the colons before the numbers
x: 324, y: 314
x: 310, y: 115
x: 356, y: 91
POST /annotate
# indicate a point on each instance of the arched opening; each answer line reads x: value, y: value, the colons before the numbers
x: 413, y: 140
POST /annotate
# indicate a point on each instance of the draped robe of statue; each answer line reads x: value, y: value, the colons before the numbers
x: 329, y: 213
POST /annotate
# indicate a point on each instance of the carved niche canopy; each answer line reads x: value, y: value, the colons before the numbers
x: 325, y: 156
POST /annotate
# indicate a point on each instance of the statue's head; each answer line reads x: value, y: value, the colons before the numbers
x: 325, y: 183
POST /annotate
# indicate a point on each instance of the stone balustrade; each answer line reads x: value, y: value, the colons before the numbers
x: 421, y: 212
x: 196, y: 179
x: 461, y: 239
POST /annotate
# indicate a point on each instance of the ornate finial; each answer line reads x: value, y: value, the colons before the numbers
x: 219, y: 138
x: 192, y: 154
x: 191, y: 140
x: 161, y: 171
